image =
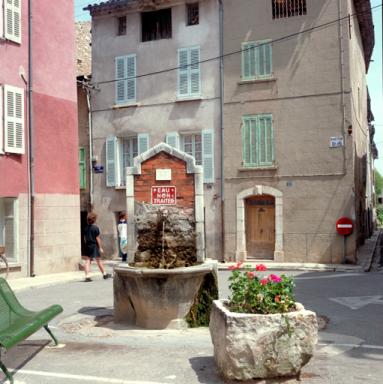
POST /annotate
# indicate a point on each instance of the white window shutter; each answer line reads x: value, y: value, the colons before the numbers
x: 208, y: 155
x: 173, y: 139
x: 121, y: 75
x: 195, y: 73
x: 131, y: 82
x: 111, y: 156
x: 12, y: 18
x: 10, y: 227
x: 13, y: 119
x: 143, y: 142
x: 183, y: 72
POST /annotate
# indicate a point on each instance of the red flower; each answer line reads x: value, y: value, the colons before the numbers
x: 277, y: 299
x: 250, y: 275
x: 261, y: 267
x: 234, y: 267
x: 275, y: 278
x: 263, y: 282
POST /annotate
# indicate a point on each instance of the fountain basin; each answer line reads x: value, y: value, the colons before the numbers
x: 156, y: 298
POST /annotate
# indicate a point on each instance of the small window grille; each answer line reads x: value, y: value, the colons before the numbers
x: 288, y: 8
x: 192, y: 14
x: 121, y: 30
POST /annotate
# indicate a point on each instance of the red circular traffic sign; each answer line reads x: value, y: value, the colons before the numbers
x: 344, y: 226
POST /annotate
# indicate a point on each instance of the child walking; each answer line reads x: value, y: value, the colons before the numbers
x: 122, y: 228
x: 93, y: 247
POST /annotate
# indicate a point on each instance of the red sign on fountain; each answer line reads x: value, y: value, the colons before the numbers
x: 163, y: 195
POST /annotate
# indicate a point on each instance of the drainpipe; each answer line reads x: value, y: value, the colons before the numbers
x: 90, y: 127
x: 221, y: 93
x: 31, y: 180
x: 341, y: 51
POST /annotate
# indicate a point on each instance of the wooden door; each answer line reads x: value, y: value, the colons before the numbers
x: 260, y: 227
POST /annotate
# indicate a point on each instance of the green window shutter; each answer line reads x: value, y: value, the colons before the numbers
x: 82, y: 166
x: 257, y: 141
x: 195, y: 73
x: 263, y: 56
x: 173, y: 139
x: 12, y: 19
x: 183, y: 72
x: 13, y: 119
x: 248, y: 61
x: 143, y: 142
x: 111, y: 149
x: 121, y: 75
x: 208, y: 155
x: 131, y: 82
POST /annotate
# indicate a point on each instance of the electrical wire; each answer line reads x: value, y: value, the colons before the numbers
x: 278, y: 40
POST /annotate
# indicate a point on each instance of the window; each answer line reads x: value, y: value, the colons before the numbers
x: 121, y: 26
x: 8, y: 226
x: 256, y: 60
x: 198, y: 145
x: 12, y: 99
x: 192, y: 13
x: 120, y: 153
x: 10, y: 20
x: 82, y: 167
x: 288, y: 8
x: 126, y: 79
x: 189, y: 75
x: 156, y: 25
x: 257, y: 141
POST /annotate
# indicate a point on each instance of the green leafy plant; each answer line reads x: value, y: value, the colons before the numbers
x: 267, y: 294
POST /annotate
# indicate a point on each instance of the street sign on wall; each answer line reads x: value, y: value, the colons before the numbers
x: 163, y: 195
x: 344, y: 226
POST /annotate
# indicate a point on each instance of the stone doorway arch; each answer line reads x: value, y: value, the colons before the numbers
x: 241, y: 251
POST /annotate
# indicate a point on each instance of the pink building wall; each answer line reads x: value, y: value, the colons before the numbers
x: 13, y: 57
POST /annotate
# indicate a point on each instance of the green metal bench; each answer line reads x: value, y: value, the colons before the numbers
x: 18, y: 323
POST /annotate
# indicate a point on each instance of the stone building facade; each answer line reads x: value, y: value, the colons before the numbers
x: 269, y: 96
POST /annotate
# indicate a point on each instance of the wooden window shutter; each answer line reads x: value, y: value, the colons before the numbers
x: 82, y: 167
x: 143, y: 142
x: 173, y: 139
x: 131, y: 82
x: 13, y: 119
x: 248, y: 61
x: 183, y: 72
x: 246, y: 141
x: 208, y: 155
x: 111, y: 152
x: 195, y: 73
x: 1, y: 119
x: 121, y: 76
x: 12, y: 18
x: 263, y: 55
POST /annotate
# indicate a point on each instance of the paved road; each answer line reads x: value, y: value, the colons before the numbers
x: 350, y: 349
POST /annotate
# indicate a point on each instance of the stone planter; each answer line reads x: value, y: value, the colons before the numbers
x: 248, y: 346
x: 156, y: 298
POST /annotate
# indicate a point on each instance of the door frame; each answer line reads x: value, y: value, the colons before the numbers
x: 241, y: 251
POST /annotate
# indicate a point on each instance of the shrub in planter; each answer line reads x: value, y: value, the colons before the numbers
x: 261, y: 332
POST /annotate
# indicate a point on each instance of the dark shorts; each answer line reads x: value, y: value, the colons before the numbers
x: 91, y: 251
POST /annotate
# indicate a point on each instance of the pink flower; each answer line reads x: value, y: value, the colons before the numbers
x: 250, y: 275
x: 234, y: 267
x: 277, y: 299
x: 263, y: 282
x: 275, y: 278
x: 261, y: 267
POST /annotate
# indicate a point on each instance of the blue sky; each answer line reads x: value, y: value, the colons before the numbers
x: 374, y: 77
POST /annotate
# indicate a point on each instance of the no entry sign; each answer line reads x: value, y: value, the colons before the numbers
x: 163, y: 195
x: 344, y: 226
